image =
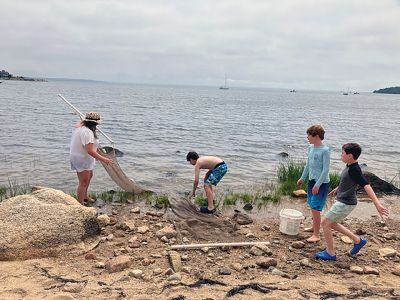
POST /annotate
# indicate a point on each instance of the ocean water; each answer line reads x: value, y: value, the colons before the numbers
x: 155, y: 127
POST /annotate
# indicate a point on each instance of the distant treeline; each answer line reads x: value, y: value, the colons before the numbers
x: 390, y: 90
x: 4, y: 75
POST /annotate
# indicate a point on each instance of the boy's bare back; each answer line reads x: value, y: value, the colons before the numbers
x: 208, y: 162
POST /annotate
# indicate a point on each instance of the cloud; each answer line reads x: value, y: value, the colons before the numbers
x: 332, y: 44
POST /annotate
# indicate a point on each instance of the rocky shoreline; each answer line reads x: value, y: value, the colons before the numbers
x: 134, y: 260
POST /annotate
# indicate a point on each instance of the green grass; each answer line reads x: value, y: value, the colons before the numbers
x: 13, y: 189
x: 290, y: 171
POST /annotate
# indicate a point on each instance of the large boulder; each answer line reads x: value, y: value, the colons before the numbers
x: 379, y: 185
x: 45, y: 223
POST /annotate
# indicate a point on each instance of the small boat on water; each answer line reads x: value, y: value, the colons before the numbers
x: 345, y: 93
x: 293, y: 91
x: 224, y: 87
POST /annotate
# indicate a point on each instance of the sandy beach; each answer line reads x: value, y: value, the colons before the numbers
x: 284, y: 269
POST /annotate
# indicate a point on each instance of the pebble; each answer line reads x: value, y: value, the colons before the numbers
x: 396, y: 270
x: 237, y: 267
x: 266, y: 262
x: 72, y: 287
x: 390, y: 236
x: 176, y: 276
x: 370, y: 270
x: 345, y: 239
x: 224, y: 271
x: 175, y: 261
x: 278, y: 272
x: 138, y: 274
x: 157, y: 271
x: 185, y: 257
x: 205, y: 249
x: 265, y: 227
x: 387, y: 252
x: 100, y: 265
x: 305, y: 262
x: 143, y: 229
x: 356, y: 269
x: 298, y: 245
x: 118, y: 263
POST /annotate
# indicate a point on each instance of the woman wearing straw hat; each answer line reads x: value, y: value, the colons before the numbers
x: 83, y: 153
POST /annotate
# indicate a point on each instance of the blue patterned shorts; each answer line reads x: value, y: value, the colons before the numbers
x: 215, y: 175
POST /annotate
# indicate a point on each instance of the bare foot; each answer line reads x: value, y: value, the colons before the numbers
x: 313, y: 239
x: 308, y: 229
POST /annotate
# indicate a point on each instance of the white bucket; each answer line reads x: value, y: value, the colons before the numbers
x: 290, y: 221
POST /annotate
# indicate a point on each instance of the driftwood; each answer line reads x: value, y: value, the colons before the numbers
x: 215, y: 245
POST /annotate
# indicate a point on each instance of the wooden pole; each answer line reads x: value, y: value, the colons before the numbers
x: 215, y: 245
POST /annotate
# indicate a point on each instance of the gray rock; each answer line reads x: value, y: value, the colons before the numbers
x: 390, y: 236
x: 167, y: 231
x: 224, y: 271
x: 370, y: 270
x: 356, y: 269
x: 128, y: 225
x: 135, y: 210
x: 176, y: 276
x: 143, y: 229
x: 100, y: 265
x: 298, y: 245
x: 175, y: 261
x: 237, y: 267
x: 138, y: 274
x: 278, y: 272
x: 387, y: 252
x: 103, y: 220
x: 45, y: 223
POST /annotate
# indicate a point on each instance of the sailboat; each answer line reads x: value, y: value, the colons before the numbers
x: 224, y: 87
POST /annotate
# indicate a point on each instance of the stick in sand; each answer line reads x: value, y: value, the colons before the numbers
x: 215, y: 245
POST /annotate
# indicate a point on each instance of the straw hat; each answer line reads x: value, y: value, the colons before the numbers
x: 92, y: 117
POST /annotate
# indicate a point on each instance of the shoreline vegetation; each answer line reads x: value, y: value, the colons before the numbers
x: 288, y: 172
x: 389, y: 90
x: 4, y: 75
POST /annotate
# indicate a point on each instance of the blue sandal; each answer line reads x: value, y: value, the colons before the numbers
x: 357, y: 247
x: 324, y: 255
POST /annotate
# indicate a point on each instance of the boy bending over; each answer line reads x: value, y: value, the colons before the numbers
x: 217, y: 168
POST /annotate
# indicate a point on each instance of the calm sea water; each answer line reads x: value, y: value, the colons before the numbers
x: 155, y: 126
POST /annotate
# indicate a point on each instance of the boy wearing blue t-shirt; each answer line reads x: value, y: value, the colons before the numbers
x: 346, y: 201
x: 317, y: 170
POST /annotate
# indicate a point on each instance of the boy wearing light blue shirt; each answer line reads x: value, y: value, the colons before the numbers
x: 317, y: 170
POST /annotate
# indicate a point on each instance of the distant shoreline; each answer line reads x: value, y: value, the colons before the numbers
x: 390, y: 90
x: 22, y: 78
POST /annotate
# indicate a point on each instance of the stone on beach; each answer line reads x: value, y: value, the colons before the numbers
x: 45, y: 223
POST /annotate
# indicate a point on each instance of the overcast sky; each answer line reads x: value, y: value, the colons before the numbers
x: 302, y: 44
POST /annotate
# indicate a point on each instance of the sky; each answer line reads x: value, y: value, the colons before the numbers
x: 296, y: 44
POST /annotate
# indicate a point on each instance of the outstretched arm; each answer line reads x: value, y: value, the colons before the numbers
x: 383, y: 211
